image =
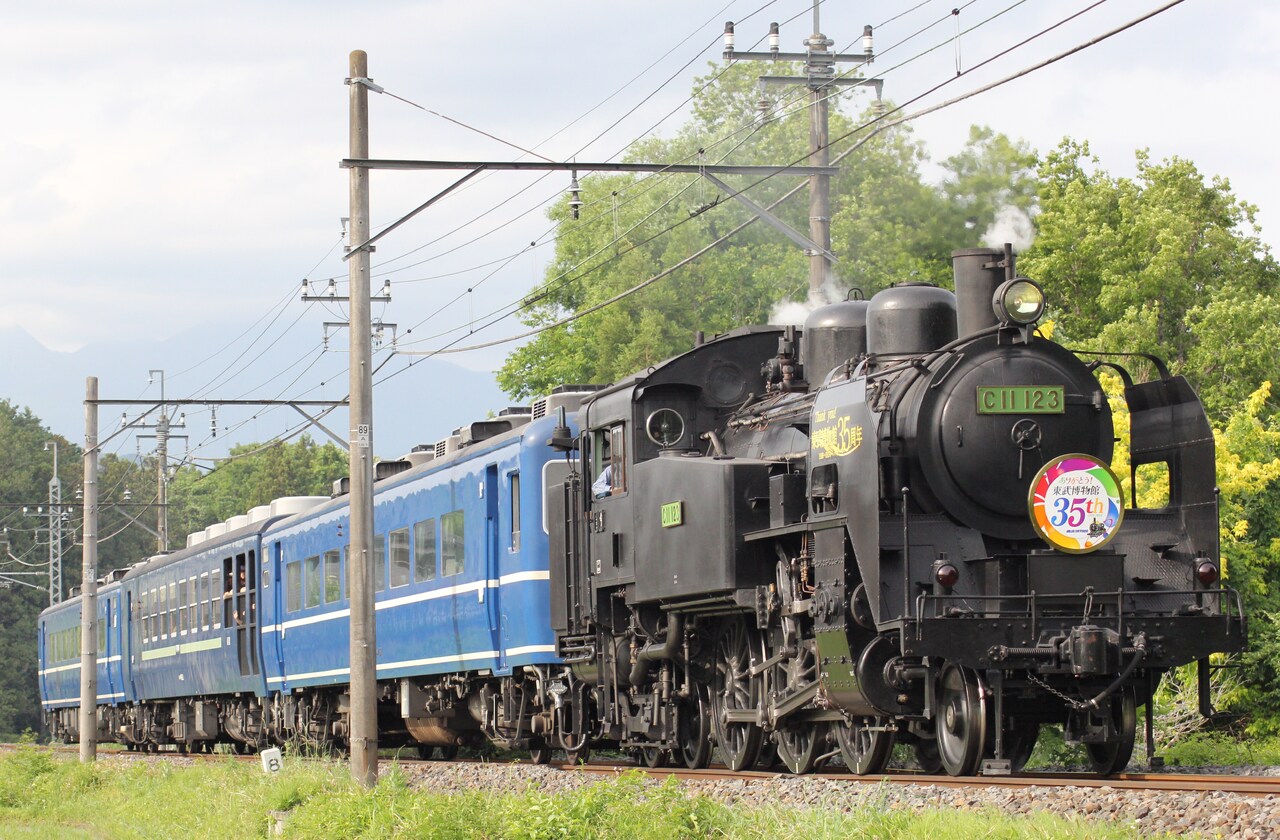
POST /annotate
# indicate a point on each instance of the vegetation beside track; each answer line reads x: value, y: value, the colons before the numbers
x: 48, y: 796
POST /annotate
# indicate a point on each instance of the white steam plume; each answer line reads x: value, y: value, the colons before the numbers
x: 795, y: 312
x: 1013, y: 225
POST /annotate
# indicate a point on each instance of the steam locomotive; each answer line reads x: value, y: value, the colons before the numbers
x: 898, y: 524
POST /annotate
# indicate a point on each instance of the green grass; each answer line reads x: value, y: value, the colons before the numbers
x: 46, y: 797
x: 1222, y: 749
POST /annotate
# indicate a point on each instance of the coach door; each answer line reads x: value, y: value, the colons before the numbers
x: 240, y: 607
x: 492, y: 572
x: 129, y: 643
x: 273, y: 650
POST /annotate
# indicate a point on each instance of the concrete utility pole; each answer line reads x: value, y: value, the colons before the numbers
x: 364, y: 676
x: 820, y: 77
x: 89, y: 581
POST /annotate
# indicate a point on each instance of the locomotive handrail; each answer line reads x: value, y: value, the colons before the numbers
x: 1231, y: 598
x: 1161, y: 367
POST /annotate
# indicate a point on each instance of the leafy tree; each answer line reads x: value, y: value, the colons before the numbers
x: 1163, y: 263
x: 887, y: 225
x: 251, y: 476
x: 27, y: 468
x: 990, y: 174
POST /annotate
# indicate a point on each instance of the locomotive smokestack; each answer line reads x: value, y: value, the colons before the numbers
x: 978, y: 272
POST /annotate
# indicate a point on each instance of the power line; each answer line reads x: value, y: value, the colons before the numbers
x: 885, y: 125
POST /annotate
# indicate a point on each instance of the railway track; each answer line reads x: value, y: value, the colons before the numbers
x: 1173, y: 782
x: 1182, y: 782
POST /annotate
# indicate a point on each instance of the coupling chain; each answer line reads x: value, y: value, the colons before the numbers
x: 1077, y: 705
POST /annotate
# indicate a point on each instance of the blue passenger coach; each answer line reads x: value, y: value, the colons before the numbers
x: 59, y: 647
x: 243, y: 636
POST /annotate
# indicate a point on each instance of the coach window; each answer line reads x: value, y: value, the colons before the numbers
x: 332, y: 576
x: 173, y: 608
x: 453, y: 539
x: 162, y: 611
x: 379, y: 562
x: 215, y: 598
x: 293, y: 586
x: 203, y: 596
x: 184, y: 621
x: 399, y: 557
x: 515, y: 511
x: 193, y: 604
x: 424, y: 551
x: 314, y: 584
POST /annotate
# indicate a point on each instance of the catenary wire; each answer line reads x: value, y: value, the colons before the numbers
x: 885, y: 124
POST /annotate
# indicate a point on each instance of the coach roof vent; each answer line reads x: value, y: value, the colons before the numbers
x: 237, y: 522
x: 482, y: 430
x: 288, y: 505
x: 386, y: 469
x: 217, y: 529
x: 568, y: 397
x: 421, y: 454
x: 341, y: 486
x: 195, y: 539
x: 448, y: 445
x: 261, y: 513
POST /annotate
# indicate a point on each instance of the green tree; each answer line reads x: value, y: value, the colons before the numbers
x: 27, y: 468
x: 887, y: 225
x: 991, y: 173
x: 1164, y: 263
x: 252, y: 475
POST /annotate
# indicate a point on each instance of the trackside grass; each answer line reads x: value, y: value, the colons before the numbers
x: 43, y: 796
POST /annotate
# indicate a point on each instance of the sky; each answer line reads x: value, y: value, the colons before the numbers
x: 175, y: 165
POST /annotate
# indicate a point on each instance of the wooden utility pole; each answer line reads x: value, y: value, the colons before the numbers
x: 89, y: 581
x: 364, y: 675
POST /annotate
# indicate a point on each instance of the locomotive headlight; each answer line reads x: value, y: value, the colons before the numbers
x: 1018, y: 301
x: 947, y: 575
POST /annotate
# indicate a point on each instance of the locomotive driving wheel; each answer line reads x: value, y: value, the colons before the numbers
x: 799, y: 742
x: 695, y: 729
x: 734, y: 690
x: 962, y: 720
x: 1113, y: 756
x: 864, y: 744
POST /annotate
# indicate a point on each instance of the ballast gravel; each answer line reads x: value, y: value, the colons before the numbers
x: 1209, y: 814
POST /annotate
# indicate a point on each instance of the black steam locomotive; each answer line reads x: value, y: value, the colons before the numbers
x: 899, y: 526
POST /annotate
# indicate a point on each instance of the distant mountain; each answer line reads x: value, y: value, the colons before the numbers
x: 421, y: 405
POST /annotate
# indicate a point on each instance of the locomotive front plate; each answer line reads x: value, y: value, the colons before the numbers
x: 1021, y: 399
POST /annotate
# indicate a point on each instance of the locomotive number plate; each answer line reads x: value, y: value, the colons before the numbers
x: 1021, y: 399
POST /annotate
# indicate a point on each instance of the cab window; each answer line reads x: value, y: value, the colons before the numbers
x: 609, y: 461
